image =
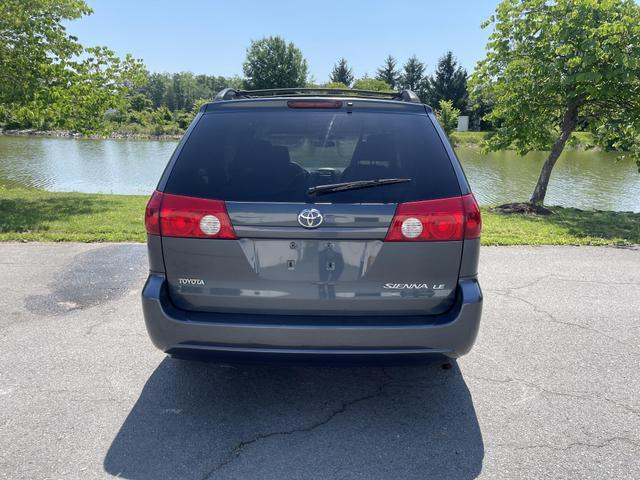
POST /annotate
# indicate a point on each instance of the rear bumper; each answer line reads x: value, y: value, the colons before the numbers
x: 181, y: 332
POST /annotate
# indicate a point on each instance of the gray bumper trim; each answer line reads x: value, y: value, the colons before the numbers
x: 172, y: 329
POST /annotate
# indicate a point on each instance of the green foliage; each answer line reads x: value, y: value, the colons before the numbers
x: 97, y: 84
x: 447, y: 116
x: 179, y: 91
x: 139, y: 102
x: 341, y: 73
x: 481, y: 104
x: 367, y: 83
x: 448, y: 83
x: 33, y: 42
x: 334, y: 85
x: 273, y: 63
x: 388, y: 72
x: 48, y: 80
x: 545, y: 59
x: 198, y: 104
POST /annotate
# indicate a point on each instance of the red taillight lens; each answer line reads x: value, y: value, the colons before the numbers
x: 473, y: 224
x: 192, y: 217
x: 152, y: 213
x: 314, y: 104
x: 436, y: 220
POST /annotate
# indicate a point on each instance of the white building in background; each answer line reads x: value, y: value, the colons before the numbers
x: 463, y: 123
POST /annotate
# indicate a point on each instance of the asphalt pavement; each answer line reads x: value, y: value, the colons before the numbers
x: 551, y: 389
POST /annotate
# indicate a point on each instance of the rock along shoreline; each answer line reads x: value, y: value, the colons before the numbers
x: 70, y: 134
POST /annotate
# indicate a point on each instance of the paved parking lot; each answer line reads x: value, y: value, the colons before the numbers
x: 551, y: 389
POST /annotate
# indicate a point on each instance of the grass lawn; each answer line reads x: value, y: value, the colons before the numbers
x: 37, y: 215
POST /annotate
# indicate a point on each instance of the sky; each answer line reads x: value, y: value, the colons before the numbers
x: 211, y: 37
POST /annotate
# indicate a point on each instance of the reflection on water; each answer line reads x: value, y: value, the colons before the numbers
x: 580, y: 179
x: 106, y: 166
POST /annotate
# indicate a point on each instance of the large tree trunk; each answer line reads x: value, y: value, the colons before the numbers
x: 569, y: 123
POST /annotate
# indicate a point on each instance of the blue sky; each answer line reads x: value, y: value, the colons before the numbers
x: 211, y: 36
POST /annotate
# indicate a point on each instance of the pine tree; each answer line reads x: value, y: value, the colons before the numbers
x: 448, y: 83
x: 413, y: 77
x: 341, y: 73
x: 388, y: 73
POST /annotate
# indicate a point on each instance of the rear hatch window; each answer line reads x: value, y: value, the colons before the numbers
x: 278, y: 155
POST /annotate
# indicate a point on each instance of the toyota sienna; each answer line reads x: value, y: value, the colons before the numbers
x: 313, y: 223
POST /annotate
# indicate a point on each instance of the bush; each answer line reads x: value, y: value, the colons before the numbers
x: 448, y: 116
x: 372, y: 84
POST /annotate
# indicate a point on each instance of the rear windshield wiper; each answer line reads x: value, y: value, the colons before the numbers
x: 341, y: 187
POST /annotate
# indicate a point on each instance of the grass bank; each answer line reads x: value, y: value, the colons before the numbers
x: 578, y: 140
x: 36, y: 215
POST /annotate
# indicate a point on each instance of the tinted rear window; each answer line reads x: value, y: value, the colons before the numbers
x: 276, y: 155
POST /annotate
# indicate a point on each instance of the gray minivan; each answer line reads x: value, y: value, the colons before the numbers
x: 313, y: 223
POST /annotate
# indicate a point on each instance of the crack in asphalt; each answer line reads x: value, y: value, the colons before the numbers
x: 596, y: 282
x: 91, y: 328
x: 239, y: 448
x: 550, y: 317
x: 520, y: 287
x: 562, y: 279
x: 581, y: 396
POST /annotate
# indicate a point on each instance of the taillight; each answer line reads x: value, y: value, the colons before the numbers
x: 152, y: 213
x: 177, y: 216
x: 473, y: 223
x: 436, y: 220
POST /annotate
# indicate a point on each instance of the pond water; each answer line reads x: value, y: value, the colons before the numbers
x: 580, y: 179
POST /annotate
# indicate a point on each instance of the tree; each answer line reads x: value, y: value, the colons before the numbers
x: 551, y: 63
x: 33, y: 43
x: 139, y: 102
x: 99, y: 83
x: 273, y: 63
x: 412, y: 77
x: 184, y: 90
x: 373, y: 84
x: 447, y: 116
x: 49, y: 80
x: 179, y: 91
x: 448, y: 83
x: 341, y: 73
x: 388, y: 73
x: 157, y: 87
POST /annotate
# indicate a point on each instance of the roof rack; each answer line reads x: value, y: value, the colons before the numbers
x: 233, y: 94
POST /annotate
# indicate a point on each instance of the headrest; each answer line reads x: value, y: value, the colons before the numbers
x: 374, y: 149
x: 260, y: 155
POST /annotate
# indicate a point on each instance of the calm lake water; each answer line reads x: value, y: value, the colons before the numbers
x: 580, y: 179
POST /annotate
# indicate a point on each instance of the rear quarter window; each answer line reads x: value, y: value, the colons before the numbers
x: 276, y: 155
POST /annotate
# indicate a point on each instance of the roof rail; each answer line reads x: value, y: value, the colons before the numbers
x: 233, y: 94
